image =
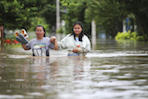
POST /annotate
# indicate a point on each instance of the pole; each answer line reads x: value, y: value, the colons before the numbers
x: 57, y: 15
x: 124, y: 26
x: 93, y: 34
x: 2, y: 36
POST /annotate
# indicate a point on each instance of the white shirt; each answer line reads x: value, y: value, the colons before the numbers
x: 69, y: 43
x: 40, y: 47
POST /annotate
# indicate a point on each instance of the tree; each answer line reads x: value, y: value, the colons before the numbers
x: 16, y: 14
x: 139, y: 8
x: 75, y: 11
x: 49, y: 13
x: 107, y: 14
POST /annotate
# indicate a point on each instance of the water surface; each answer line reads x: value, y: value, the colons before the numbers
x: 111, y: 71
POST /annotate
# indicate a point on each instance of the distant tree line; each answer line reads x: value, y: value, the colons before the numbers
x: 108, y: 14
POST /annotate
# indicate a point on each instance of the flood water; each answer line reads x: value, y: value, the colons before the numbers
x: 111, y: 71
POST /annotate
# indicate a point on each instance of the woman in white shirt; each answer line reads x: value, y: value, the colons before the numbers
x: 77, y: 42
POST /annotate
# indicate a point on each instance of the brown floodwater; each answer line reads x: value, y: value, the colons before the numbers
x: 111, y: 71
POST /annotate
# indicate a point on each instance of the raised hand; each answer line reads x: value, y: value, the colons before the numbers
x: 53, y: 39
x: 22, y: 37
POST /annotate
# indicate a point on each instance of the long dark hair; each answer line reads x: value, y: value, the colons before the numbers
x: 43, y: 29
x: 81, y: 34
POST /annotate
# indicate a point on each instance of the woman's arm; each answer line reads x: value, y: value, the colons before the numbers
x: 64, y: 43
x: 55, y: 45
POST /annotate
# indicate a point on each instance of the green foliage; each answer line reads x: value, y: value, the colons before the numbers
x: 128, y: 36
x: 139, y: 9
x: 39, y: 21
x: 10, y: 36
x: 48, y: 12
x: 107, y: 14
x: 16, y: 14
x: 75, y: 11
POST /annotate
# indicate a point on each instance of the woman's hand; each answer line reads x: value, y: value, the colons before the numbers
x: 54, y: 41
x: 76, y: 50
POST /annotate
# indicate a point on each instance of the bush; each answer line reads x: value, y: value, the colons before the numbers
x: 10, y: 39
x: 128, y: 36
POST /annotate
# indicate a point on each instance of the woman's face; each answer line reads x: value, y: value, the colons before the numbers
x: 39, y: 32
x: 77, y: 29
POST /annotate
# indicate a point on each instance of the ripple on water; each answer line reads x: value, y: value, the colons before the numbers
x: 105, y: 75
x: 11, y: 96
x: 18, y: 56
x: 116, y: 54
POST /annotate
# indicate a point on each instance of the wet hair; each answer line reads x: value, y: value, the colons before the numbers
x: 43, y: 29
x: 81, y: 34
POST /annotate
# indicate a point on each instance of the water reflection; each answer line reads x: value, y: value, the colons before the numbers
x: 41, y: 77
x: 67, y: 73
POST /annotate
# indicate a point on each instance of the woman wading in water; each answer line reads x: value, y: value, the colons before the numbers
x: 77, y: 42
